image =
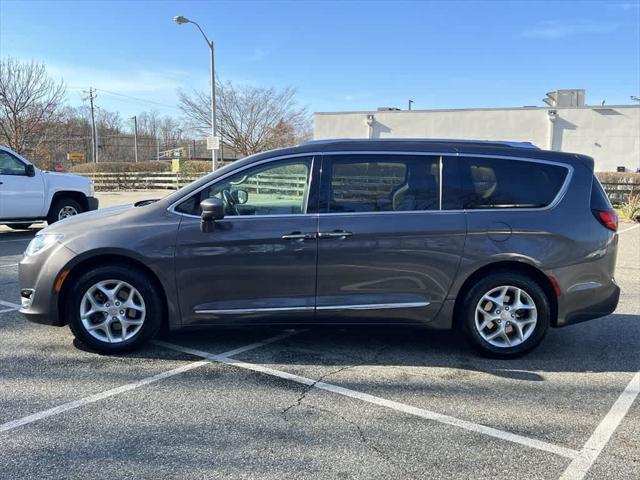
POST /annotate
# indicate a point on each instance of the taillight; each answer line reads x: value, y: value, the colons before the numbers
x: 608, y: 218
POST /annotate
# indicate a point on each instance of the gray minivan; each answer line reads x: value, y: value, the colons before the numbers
x: 498, y: 239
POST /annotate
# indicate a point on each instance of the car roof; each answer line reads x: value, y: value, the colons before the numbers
x: 427, y: 145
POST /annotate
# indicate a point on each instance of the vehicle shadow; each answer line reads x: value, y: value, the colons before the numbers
x: 610, y: 344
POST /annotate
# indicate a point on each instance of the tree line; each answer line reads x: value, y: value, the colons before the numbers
x: 37, y: 122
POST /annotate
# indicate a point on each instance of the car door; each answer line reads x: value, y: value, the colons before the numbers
x: 259, y: 262
x: 387, y: 248
x: 21, y: 195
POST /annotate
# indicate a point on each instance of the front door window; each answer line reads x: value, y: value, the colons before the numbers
x: 280, y: 188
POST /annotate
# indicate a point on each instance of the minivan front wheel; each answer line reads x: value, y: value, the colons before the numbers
x: 114, y: 309
x: 506, y: 314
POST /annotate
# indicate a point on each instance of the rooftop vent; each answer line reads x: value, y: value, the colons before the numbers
x: 565, y: 98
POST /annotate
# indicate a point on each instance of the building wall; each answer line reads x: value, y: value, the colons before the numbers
x: 611, y: 135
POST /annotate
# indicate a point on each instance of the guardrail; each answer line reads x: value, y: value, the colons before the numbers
x: 618, y: 191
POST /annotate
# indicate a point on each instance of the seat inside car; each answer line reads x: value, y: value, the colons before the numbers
x: 420, y: 192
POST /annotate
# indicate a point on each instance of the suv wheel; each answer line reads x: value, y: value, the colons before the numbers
x: 506, y: 314
x: 63, y: 208
x: 114, y: 309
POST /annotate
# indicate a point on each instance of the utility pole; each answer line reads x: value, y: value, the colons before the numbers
x: 157, y: 148
x: 94, y: 130
x: 410, y: 102
x: 135, y: 136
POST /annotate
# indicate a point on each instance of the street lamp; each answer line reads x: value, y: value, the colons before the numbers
x: 182, y: 20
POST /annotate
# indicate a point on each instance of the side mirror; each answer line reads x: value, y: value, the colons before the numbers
x: 30, y: 170
x: 239, y: 196
x: 212, y: 210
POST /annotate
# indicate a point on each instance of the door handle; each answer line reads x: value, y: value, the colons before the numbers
x: 335, y: 234
x: 298, y: 236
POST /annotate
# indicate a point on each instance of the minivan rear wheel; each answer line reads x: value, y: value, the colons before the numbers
x: 114, y: 309
x: 506, y: 314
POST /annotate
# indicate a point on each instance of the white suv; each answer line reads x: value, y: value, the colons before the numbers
x: 28, y: 194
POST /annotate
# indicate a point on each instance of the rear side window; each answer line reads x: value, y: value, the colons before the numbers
x: 599, y: 199
x: 381, y: 183
x: 505, y: 183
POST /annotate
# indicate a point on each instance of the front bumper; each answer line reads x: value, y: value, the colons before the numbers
x: 38, y: 275
x: 92, y: 203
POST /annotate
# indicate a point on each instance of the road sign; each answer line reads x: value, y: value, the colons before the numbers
x: 181, y: 152
x: 213, y: 143
x: 75, y: 156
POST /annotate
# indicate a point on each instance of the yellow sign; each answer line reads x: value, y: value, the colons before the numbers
x: 175, y: 166
x: 175, y: 153
x: 75, y: 156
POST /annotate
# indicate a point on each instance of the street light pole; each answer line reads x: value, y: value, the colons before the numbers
x: 182, y: 20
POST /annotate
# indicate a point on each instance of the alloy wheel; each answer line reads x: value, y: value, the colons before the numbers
x: 506, y: 316
x: 67, y: 211
x: 112, y: 311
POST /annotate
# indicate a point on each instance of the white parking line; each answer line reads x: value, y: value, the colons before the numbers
x: 12, y: 306
x: 401, y: 407
x: 15, y: 240
x: 9, y: 265
x: 578, y: 468
x: 130, y: 386
x: 630, y: 228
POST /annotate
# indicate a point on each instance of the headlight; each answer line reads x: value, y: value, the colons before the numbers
x: 41, y: 242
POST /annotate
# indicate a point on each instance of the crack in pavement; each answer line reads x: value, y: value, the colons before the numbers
x: 308, y: 388
x: 365, y: 441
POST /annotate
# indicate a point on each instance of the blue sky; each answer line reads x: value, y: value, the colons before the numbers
x: 339, y: 55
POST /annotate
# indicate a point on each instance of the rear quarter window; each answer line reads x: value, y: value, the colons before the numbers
x: 599, y: 199
x: 507, y: 183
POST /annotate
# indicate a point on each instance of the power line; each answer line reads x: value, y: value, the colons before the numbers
x: 131, y: 97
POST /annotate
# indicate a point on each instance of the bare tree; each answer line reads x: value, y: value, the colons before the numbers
x: 250, y: 119
x: 30, y: 102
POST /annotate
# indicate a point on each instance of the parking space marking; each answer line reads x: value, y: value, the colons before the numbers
x: 11, y: 306
x: 578, y: 468
x: 131, y: 386
x: 15, y: 240
x: 9, y: 265
x: 401, y: 407
x: 630, y: 228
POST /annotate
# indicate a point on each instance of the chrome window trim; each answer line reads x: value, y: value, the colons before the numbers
x: 172, y: 208
x: 559, y: 196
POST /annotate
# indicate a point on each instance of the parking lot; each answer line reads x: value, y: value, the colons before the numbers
x: 320, y: 402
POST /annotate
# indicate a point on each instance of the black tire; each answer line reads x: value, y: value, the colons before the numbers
x: 152, y: 297
x: 19, y: 226
x: 60, y: 204
x: 485, y: 285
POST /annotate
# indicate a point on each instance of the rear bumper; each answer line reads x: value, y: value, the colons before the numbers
x: 580, y: 306
x: 92, y: 203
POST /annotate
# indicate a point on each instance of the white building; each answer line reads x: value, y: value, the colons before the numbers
x: 610, y: 134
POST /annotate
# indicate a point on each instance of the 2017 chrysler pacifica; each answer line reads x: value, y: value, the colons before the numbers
x: 498, y: 239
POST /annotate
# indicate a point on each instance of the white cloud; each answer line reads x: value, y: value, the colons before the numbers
x: 558, y: 29
x: 120, y: 81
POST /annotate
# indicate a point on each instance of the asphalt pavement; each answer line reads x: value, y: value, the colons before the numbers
x: 343, y: 403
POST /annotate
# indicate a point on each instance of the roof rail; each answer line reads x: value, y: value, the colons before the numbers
x: 502, y: 143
